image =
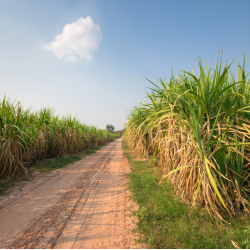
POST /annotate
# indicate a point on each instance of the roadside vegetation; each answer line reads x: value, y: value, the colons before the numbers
x: 27, y: 136
x: 46, y: 165
x: 197, y: 128
x: 43, y: 166
x: 165, y: 222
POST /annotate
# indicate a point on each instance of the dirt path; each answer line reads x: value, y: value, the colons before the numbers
x: 80, y: 206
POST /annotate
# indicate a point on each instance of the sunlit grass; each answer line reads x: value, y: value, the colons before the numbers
x: 167, y: 223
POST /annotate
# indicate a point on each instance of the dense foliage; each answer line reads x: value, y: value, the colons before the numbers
x: 110, y: 128
x: 26, y: 136
x: 198, y: 129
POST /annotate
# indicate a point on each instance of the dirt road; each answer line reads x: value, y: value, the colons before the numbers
x: 79, y: 206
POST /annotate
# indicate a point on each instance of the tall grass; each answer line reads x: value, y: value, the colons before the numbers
x: 26, y: 136
x: 198, y: 128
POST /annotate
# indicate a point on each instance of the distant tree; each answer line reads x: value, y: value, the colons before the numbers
x: 119, y: 132
x: 110, y: 128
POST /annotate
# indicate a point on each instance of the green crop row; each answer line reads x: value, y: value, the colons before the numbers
x: 27, y: 136
x: 197, y: 127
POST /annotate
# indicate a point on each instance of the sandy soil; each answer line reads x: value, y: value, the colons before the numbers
x: 83, y: 205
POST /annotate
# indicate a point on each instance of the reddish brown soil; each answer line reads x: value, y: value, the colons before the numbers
x: 83, y: 205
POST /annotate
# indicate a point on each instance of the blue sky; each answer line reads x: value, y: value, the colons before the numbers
x: 130, y: 40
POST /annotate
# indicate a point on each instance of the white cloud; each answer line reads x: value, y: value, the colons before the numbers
x: 77, y: 41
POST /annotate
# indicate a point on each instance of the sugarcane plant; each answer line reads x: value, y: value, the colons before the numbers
x: 198, y: 128
x: 26, y: 136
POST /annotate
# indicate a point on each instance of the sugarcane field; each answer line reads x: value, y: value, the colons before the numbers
x: 124, y: 124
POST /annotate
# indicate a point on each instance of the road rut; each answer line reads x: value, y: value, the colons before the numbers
x: 80, y: 206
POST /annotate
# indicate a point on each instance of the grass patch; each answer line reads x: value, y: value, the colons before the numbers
x: 8, y: 183
x: 50, y: 164
x: 45, y: 165
x: 55, y: 163
x: 3, y: 187
x: 91, y: 150
x: 166, y: 222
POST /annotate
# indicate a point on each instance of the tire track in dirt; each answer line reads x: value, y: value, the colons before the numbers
x: 80, y: 230
x: 90, y: 213
x: 46, y: 229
